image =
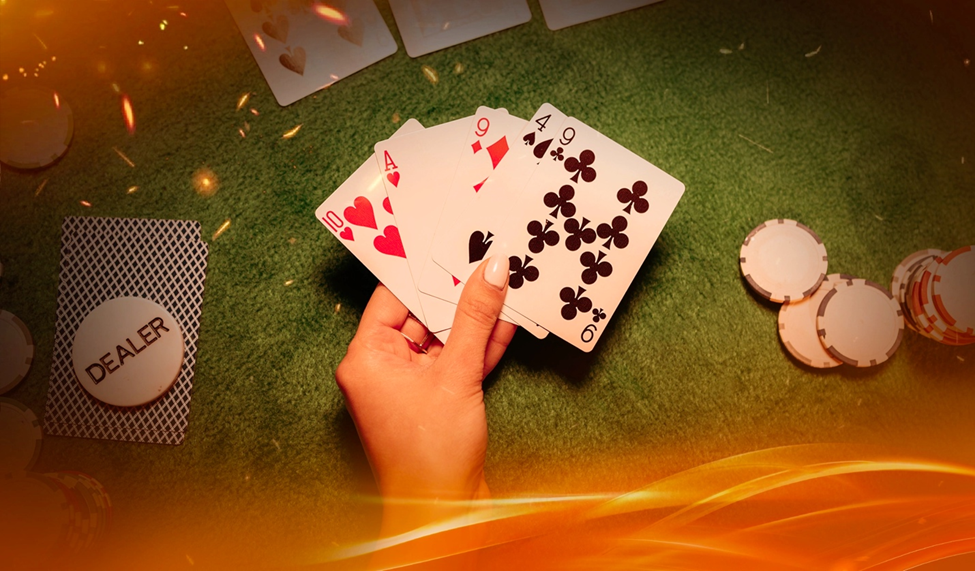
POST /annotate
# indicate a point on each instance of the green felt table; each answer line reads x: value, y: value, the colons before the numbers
x: 854, y: 118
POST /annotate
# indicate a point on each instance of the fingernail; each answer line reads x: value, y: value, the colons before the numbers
x: 496, y: 271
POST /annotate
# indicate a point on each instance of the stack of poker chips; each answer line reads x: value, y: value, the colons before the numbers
x: 825, y: 320
x: 936, y: 292
x: 45, y: 518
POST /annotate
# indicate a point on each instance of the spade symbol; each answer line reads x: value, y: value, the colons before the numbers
x: 541, y: 148
x: 478, y: 245
x: 529, y: 139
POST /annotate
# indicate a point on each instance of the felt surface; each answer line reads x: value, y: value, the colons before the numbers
x: 869, y: 142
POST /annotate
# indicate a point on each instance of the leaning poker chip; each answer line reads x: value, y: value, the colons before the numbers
x: 16, y: 351
x: 860, y: 323
x: 783, y: 260
x: 102, y: 495
x: 902, y: 271
x: 21, y: 442
x: 94, y: 518
x: 36, y: 127
x: 953, y: 290
x: 797, y: 326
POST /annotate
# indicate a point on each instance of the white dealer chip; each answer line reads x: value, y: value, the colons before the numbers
x: 128, y: 351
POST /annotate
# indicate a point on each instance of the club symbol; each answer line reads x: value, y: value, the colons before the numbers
x: 521, y: 271
x: 613, y: 233
x: 595, y: 267
x: 560, y: 202
x: 582, y: 166
x: 634, y: 198
x: 578, y: 233
x: 557, y: 154
x: 541, y: 236
x: 574, y: 303
x: 597, y: 315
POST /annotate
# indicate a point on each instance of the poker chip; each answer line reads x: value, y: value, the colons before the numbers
x: 16, y: 351
x: 797, y: 326
x: 21, y: 442
x: 128, y: 351
x: 783, y: 260
x: 860, y: 323
x: 953, y: 290
x: 36, y: 126
x: 898, y: 280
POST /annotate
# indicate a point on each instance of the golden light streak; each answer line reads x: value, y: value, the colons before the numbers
x: 40, y: 188
x: 431, y: 74
x: 223, y: 228
x: 254, y: 112
x: 128, y: 114
x: 260, y: 42
x: 330, y: 14
x: 127, y: 160
x: 242, y: 100
x: 131, y: 190
x: 241, y: 131
x: 803, y: 507
x: 85, y: 203
x: 291, y: 132
x: 57, y: 100
x: 205, y: 182
x: 40, y: 41
x: 288, y: 283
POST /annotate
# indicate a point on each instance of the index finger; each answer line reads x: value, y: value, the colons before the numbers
x: 384, y: 310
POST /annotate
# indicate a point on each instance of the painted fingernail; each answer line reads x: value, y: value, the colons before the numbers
x: 496, y: 271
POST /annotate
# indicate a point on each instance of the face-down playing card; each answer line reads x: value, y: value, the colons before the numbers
x: 585, y: 222
x: 302, y: 47
x: 564, y: 13
x: 430, y: 25
x: 360, y: 216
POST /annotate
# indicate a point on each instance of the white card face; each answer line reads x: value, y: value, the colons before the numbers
x: 469, y: 218
x: 430, y: 25
x: 360, y: 215
x: 302, y: 47
x: 417, y: 170
x: 586, y: 221
x: 564, y: 13
x: 492, y: 132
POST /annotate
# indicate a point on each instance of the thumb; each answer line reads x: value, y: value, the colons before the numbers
x: 477, y: 312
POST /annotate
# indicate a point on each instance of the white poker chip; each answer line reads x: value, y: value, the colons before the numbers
x: 783, y: 260
x: 128, y: 351
x: 797, y: 326
x: 860, y: 323
x: 36, y: 126
x: 20, y: 444
x: 16, y: 351
x: 953, y: 289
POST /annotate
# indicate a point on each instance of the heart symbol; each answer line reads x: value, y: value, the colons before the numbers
x: 390, y: 243
x: 295, y: 61
x: 278, y: 31
x: 387, y: 206
x: 393, y: 177
x: 360, y: 213
x: 347, y: 234
x: 352, y: 32
x: 456, y: 281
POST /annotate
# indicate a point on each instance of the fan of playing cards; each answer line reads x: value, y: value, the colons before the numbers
x: 575, y: 212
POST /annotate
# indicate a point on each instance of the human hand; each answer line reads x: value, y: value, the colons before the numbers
x: 420, y: 417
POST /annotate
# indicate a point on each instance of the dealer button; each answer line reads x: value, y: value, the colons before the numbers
x: 128, y: 351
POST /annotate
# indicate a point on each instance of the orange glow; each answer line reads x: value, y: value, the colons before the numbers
x: 205, y: 182
x: 128, y: 114
x: 331, y: 14
x: 259, y: 42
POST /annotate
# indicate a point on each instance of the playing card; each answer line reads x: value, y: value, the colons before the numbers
x: 361, y: 216
x: 564, y: 13
x: 471, y: 218
x: 489, y: 140
x: 302, y: 47
x: 430, y: 25
x: 416, y: 170
x: 104, y: 258
x: 586, y: 221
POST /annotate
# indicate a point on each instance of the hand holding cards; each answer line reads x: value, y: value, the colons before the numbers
x: 575, y: 212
